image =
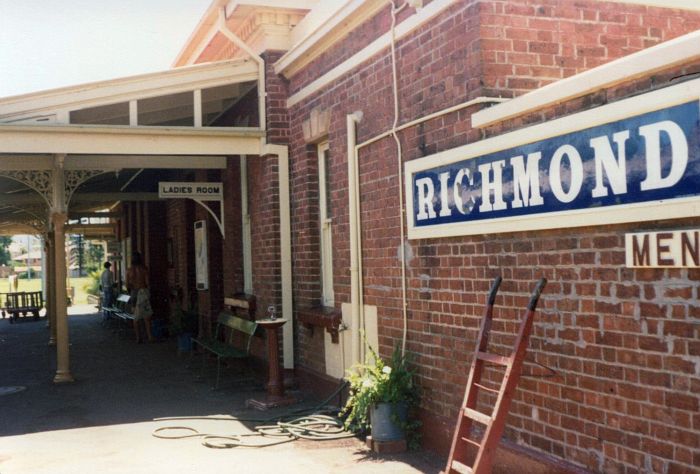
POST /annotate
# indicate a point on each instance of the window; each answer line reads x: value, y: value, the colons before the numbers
x: 324, y: 201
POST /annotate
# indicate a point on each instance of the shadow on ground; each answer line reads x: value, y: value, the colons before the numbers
x: 119, y: 382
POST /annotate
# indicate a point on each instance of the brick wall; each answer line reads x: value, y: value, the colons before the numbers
x: 156, y: 233
x: 622, y: 343
x: 233, y: 244
x: 180, y: 218
x: 527, y: 44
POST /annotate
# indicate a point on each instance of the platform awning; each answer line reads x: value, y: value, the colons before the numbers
x: 118, y: 138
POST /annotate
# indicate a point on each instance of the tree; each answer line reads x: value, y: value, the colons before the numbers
x: 5, y: 241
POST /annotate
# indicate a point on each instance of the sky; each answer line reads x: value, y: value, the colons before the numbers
x: 54, y: 43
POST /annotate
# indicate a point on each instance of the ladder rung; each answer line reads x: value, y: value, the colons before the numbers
x: 488, y: 389
x: 477, y: 416
x: 461, y: 468
x: 494, y: 358
x: 471, y: 441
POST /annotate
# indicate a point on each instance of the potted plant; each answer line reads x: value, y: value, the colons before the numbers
x: 183, y: 323
x: 381, y: 398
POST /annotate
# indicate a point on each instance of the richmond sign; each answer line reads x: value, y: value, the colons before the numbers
x: 634, y: 160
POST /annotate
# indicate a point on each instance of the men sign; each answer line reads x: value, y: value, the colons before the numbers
x: 674, y: 249
x: 607, y: 165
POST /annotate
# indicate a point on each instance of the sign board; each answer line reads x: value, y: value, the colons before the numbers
x: 199, y: 191
x: 634, y: 160
x: 201, y: 257
x: 673, y: 249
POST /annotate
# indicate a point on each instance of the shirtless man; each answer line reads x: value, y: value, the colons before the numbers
x: 137, y: 284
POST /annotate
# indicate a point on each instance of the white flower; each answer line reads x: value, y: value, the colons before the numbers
x: 386, y: 369
x: 367, y: 384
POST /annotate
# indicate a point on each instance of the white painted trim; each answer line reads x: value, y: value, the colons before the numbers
x: 325, y: 229
x: 133, y: 113
x: 282, y: 153
x: 667, y: 209
x: 682, y: 49
x: 197, y: 97
x: 196, y: 53
x: 128, y: 88
x: 245, y: 226
x: 259, y: 61
x: 403, y: 29
x: 320, y: 31
x: 680, y: 4
x: 85, y: 139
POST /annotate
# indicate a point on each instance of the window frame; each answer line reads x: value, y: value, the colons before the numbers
x: 325, y: 228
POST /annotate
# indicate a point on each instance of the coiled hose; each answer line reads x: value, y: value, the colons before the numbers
x: 304, y: 423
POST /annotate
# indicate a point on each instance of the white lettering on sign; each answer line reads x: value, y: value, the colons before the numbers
x: 674, y: 249
x: 622, y: 162
x: 200, y: 191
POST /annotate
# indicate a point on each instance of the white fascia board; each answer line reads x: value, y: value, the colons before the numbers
x: 131, y: 87
x: 316, y: 25
x: 680, y: 4
x: 86, y: 139
x: 664, y: 55
x: 293, y: 4
x: 197, y: 52
x: 402, y: 29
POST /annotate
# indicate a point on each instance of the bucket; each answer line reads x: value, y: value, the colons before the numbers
x: 158, y: 328
x: 383, y: 426
x: 184, y: 342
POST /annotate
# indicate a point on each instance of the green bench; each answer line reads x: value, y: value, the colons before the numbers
x: 120, y: 310
x: 232, y: 338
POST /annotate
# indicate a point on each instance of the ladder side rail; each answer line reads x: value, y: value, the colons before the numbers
x: 464, y: 424
x: 485, y: 456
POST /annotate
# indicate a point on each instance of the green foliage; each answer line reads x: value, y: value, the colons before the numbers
x: 378, y: 382
x: 183, y: 321
x: 5, y: 242
x: 92, y: 285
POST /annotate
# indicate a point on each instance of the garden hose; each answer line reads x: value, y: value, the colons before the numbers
x: 303, y: 423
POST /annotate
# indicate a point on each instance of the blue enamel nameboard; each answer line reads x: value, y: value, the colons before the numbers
x: 634, y: 160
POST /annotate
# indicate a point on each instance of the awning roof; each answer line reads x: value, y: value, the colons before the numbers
x: 187, y: 127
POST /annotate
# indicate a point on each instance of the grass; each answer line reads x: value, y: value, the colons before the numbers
x: 34, y: 284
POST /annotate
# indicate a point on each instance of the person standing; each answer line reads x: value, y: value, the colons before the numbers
x: 137, y: 284
x: 13, y: 281
x: 106, y: 285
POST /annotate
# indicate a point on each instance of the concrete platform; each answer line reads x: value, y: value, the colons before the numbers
x: 103, y: 422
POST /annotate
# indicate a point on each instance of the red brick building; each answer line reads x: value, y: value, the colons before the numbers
x: 329, y: 228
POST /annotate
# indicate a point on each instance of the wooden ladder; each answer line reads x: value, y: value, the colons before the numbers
x: 494, y: 423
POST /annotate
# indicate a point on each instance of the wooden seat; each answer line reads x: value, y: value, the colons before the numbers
x: 23, y: 304
x: 232, y: 338
x: 120, y: 310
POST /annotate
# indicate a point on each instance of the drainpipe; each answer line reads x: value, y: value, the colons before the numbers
x: 224, y: 30
x: 355, y: 243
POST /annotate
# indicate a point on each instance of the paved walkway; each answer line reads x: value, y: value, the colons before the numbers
x: 103, y: 422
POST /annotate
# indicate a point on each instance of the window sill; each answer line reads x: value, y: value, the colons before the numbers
x: 323, y: 317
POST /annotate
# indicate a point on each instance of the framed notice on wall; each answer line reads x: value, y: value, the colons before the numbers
x: 200, y: 255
